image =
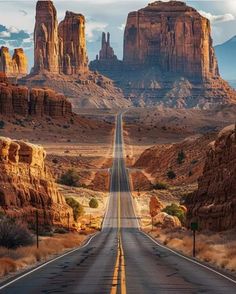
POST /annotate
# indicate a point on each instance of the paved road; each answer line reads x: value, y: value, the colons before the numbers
x: 121, y: 259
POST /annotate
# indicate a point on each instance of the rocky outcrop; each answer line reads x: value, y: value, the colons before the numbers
x: 73, y: 53
x: 106, y: 52
x: 59, y: 49
x: 213, y: 205
x: 27, y: 185
x: 19, y: 100
x: 169, y: 59
x: 155, y: 206
x: 15, y: 66
x: 168, y: 35
x: 46, y: 52
x: 20, y: 60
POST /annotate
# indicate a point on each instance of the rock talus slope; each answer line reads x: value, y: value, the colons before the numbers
x: 27, y: 185
x: 213, y: 205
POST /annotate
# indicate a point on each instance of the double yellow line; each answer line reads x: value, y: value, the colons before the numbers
x: 120, y: 260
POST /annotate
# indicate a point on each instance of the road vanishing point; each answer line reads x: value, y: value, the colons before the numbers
x: 120, y: 258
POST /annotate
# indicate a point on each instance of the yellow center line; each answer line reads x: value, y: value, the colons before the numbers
x: 120, y: 260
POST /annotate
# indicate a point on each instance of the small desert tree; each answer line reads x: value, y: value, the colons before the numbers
x: 171, y: 174
x: 93, y: 203
x: 78, y: 209
x: 70, y: 178
x: 175, y: 210
x: 181, y: 157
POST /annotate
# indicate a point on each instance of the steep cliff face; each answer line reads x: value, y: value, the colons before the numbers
x: 13, y: 66
x: 26, y: 185
x: 35, y: 102
x: 46, y: 52
x: 213, y: 205
x: 73, y: 53
x: 173, y: 37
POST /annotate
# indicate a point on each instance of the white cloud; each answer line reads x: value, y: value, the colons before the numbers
x: 5, y: 34
x: 13, y: 30
x: 92, y: 28
x: 217, y: 18
x: 122, y: 27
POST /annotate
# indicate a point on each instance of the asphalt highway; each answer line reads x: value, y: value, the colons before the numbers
x: 121, y: 258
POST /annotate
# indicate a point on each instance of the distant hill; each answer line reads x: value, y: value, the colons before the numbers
x: 226, y: 57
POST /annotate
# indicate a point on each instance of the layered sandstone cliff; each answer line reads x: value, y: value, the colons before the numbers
x: 19, y: 100
x: 169, y: 59
x: 27, y: 185
x: 73, y: 53
x: 15, y: 66
x: 213, y: 205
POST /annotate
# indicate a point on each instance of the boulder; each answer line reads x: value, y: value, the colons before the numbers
x: 167, y: 221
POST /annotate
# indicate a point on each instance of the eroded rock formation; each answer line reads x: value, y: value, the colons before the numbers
x: 73, y: 53
x: 169, y: 59
x: 13, y: 66
x: 106, y: 51
x: 26, y: 185
x: 46, y: 52
x: 59, y: 49
x: 172, y: 36
x: 35, y: 102
x: 213, y: 205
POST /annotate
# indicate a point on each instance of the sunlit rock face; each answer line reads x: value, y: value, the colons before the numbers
x: 46, y: 52
x: 213, y: 205
x: 13, y: 66
x: 26, y: 185
x: 73, y: 53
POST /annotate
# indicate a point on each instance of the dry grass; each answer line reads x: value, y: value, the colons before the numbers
x: 216, y: 249
x: 23, y: 257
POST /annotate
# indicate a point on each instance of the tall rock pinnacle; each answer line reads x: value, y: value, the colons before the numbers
x: 46, y: 52
x: 73, y: 53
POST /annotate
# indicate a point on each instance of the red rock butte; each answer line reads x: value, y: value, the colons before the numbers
x: 172, y: 36
x: 169, y: 59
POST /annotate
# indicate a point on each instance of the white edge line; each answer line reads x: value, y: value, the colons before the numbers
x: 189, y: 259
x: 48, y: 262
x: 173, y: 251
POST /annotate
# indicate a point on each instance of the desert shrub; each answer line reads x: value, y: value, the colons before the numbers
x: 160, y: 186
x: 60, y: 231
x: 70, y: 178
x: 93, y: 203
x: 78, y: 209
x: 181, y: 157
x: 55, y: 161
x: 14, y: 234
x: 2, y: 124
x: 194, y: 161
x: 175, y: 210
x: 171, y: 174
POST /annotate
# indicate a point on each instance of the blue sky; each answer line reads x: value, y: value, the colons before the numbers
x: 17, y: 20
